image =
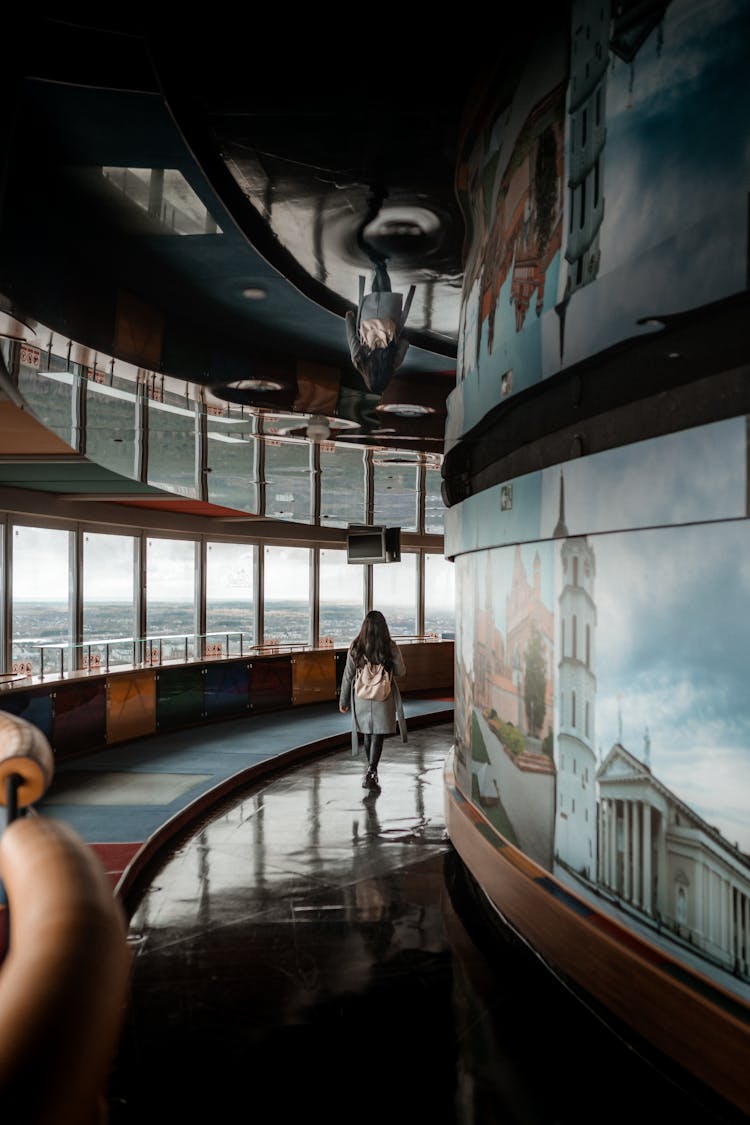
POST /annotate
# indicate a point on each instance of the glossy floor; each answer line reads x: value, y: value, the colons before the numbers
x: 312, y: 951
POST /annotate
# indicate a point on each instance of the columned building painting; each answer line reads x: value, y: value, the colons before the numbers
x: 666, y: 862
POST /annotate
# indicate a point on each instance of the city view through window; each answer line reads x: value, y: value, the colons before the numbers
x: 43, y: 605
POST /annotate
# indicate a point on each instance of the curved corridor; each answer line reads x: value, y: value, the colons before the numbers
x: 306, y: 953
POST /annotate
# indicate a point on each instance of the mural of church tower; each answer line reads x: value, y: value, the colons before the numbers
x: 575, y: 818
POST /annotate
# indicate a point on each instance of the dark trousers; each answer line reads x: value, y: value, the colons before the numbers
x: 373, y: 749
x: 381, y: 282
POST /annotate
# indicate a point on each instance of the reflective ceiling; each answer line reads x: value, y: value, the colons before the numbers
x: 204, y: 209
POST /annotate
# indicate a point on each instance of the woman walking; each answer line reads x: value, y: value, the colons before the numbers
x: 370, y: 690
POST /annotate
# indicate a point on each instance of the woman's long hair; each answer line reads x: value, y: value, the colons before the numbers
x: 373, y: 642
x: 378, y: 366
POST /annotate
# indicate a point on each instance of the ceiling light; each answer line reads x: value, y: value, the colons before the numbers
x: 406, y: 409
x: 255, y: 385
x: 254, y: 293
x: 318, y: 428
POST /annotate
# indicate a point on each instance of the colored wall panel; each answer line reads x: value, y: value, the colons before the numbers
x: 270, y: 683
x: 36, y: 707
x: 179, y: 697
x: 80, y: 717
x: 227, y: 689
x: 131, y: 706
x: 313, y: 677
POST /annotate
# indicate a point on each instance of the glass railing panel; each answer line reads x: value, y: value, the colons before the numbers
x: 172, y: 444
x: 396, y: 494
x: 288, y: 480
x: 232, y: 459
x: 112, y: 437
x: 342, y: 485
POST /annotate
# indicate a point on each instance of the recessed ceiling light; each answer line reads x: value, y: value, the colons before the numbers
x: 255, y: 385
x: 406, y: 409
x: 254, y: 293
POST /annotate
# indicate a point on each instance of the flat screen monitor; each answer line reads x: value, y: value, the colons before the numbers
x: 365, y: 545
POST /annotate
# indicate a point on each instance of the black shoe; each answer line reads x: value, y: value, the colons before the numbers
x: 366, y: 780
x: 372, y: 779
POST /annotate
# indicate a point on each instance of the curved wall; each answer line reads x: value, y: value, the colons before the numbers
x: 603, y: 602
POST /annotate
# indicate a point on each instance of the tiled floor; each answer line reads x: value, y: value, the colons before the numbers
x: 309, y: 952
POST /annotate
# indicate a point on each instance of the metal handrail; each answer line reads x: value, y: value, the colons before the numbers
x: 150, y: 649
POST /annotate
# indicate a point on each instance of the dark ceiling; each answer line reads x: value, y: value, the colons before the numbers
x: 287, y: 165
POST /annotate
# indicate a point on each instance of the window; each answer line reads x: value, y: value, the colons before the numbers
x: 584, y: 126
x: 573, y: 710
x: 562, y: 637
x: 230, y: 595
x: 575, y: 570
x: 171, y: 595
x: 439, y: 595
x: 341, y: 597
x: 596, y: 182
x: 586, y: 721
x: 575, y: 637
x: 109, y: 585
x: 588, y: 646
x: 166, y: 196
x: 287, y: 612
x: 394, y: 593
x: 41, y: 596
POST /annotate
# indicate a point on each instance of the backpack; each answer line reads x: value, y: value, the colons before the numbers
x: 372, y: 681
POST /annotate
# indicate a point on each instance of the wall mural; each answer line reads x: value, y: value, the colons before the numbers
x: 585, y: 193
x: 603, y: 723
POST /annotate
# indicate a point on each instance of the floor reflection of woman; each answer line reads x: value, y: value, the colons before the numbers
x: 373, y: 718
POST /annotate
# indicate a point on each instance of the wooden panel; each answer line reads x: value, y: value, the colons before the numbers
x: 429, y: 666
x: 179, y: 697
x: 80, y: 718
x: 227, y: 689
x: 270, y: 683
x: 313, y: 677
x: 131, y: 706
